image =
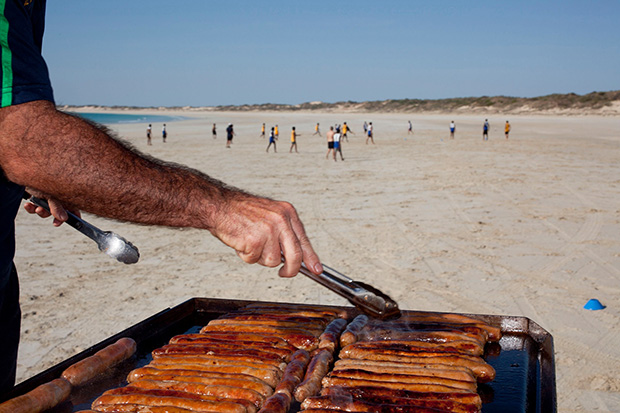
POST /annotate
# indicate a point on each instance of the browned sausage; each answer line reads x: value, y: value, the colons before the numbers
x: 278, y: 403
x: 378, y: 393
x: 269, y: 375
x: 330, y: 338
x: 143, y: 397
x: 454, y: 373
x: 357, y: 374
x: 419, y: 387
x: 385, y: 406
x: 295, y: 336
x: 42, y: 398
x: 292, y: 308
x: 282, y: 317
x: 209, y: 349
x: 86, y: 370
x: 218, y: 359
x: 310, y: 326
x: 417, y: 410
x: 137, y: 408
x: 241, y: 345
x: 228, y: 392
x: 493, y: 332
x: 294, y: 373
x: 317, y: 369
x: 483, y: 371
x: 351, y: 333
x: 137, y: 374
x: 404, y: 331
x: 406, y: 348
x: 259, y: 387
x: 242, y: 338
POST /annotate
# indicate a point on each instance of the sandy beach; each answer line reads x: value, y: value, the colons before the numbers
x: 528, y: 226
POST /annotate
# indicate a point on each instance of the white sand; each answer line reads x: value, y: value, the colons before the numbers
x: 528, y: 226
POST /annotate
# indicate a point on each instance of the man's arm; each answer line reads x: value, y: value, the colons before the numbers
x: 68, y: 159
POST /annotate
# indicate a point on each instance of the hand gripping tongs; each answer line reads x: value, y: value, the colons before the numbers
x: 108, y: 242
x: 366, y: 298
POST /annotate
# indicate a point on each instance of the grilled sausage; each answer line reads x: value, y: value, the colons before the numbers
x: 385, y: 406
x: 109, y: 400
x: 292, y: 308
x: 138, y: 408
x: 87, y: 369
x: 241, y: 338
x: 357, y: 374
x: 227, y: 392
x: 317, y: 369
x: 44, y: 397
x: 293, y: 374
x: 351, y: 333
x: 137, y: 374
x: 295, y: 336
x: 259, y: 387
x: 407, y: 348
x: 278, y: 403
x: 484, y: 372
x: 493, y: 332
x: 277, y: 355
x: 454, y: 373
x: 418, y: 387
x: 408, y: 331
x: 311, y: 326
x: 330, y: 337
x: 385, y: 395
x: 218, y: 359
x: 269, y: 375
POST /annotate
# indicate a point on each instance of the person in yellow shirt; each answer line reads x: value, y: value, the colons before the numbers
x: 294, y: 136
x: 507, y: 129
x: 317, y: 131
x: 262, y: 131
x: 276, y: 132
x: 345, y: 130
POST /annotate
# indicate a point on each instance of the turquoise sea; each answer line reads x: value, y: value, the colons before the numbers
x: 115, y: 118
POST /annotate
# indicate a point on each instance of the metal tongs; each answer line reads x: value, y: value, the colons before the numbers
x: 108, y: 242
x: 366, y: 298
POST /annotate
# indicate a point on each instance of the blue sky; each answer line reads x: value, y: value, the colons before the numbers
x: 201, y: 52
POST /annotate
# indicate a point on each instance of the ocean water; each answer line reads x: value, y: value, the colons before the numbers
x: 115, y: 118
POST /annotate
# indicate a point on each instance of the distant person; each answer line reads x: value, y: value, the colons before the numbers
x: 214, y: 131
x: 277, y: 132
x: 230, y: 133
x: 330, y: 142
x: 507, y: 129
x: 164, y: 134
x: 317, y: 131
x: 365, y: 128
x: 149, y: 129
x: 294, y: 136
x: 346, y: 129
x: 262, y: 131
x: 410, y: 130
x: 272, y: 140
x: 370, y: 134
x: 452, y: 129
x: 485, y: 130
x: 338, y: 144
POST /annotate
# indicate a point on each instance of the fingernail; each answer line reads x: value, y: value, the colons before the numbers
x: 63, y: 216
x: 318, y: 268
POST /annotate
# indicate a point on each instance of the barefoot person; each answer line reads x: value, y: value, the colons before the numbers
x: 330, y: 142
x: 272, y: 140
x: 294, y: 136
x: 485, y: 130
x: 346, y: 129
x: 75, y: 164
x: 230, y: 133
x: 338, y: 144
x: 262, y: 131
x: 452, y: 129
x: 317, y: 131
x: 370, y: 134
x: 507, y: 129
x: 214, y: 131
x: 149, y: 130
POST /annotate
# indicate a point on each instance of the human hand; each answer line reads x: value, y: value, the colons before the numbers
x: 56, y: 209
x: 262, y: 230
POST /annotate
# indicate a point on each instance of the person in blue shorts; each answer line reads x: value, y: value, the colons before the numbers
x: 272, y: 140
x: 79, y: 165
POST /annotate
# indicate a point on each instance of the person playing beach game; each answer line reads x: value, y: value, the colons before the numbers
x: 214, y: 131
x: 294, y: 136
x: 317, y: 131
x: 410, y: 130
x: 485, y: 130
x: 346, y: 129
x: 272, y: 140
x: 507, y: 129
x: 78, y: 165
x: 230, y: 133
x: 262, y: 131
x: 164, y: 134
x: 330, y: 142
x: 149, y: 130
x: 452, y: 129
x: 370, y: 134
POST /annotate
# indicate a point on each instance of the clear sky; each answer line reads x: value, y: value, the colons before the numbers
x: 219, y: 52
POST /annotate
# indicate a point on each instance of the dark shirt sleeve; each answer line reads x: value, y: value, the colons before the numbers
x: 24, y: 74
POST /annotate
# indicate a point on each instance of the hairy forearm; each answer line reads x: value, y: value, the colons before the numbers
x: 81, y: 165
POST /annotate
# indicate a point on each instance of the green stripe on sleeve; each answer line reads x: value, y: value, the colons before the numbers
x: 7, y: 60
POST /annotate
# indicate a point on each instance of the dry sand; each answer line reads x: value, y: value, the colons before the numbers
x: 528, y: 226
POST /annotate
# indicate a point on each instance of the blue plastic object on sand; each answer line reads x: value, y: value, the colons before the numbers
x: 593, y: 304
